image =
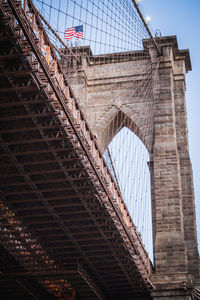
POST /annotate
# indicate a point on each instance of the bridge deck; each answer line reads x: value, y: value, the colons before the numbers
x: 59, y: 229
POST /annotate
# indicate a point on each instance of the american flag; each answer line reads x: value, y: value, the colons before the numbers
x: 76, y: 31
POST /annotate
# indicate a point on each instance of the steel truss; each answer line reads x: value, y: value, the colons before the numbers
x: 62, y: 215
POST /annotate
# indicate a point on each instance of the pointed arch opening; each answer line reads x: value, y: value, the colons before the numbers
x: 128, y: 160
x: 121, y: 120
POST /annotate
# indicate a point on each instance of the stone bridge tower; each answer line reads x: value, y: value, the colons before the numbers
x: 105, y: 92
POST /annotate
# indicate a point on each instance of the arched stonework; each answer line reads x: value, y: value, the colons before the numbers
x: 109, y: 91
x: 106, y: 88
x: 114, y: 125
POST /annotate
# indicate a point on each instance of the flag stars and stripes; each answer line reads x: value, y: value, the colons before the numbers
x: 76, y: 31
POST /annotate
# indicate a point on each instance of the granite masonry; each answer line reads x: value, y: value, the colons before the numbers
x: 107, y: 88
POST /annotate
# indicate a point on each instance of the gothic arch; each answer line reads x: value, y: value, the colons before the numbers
x: 114, y: 125
x: 128, y: 160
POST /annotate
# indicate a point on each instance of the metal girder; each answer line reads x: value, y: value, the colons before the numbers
x: 29, y: 88
x: 35, y: 152
x: 77, y: 227
x: 70, y: 213
x: 46, y: 190
x: 26, y: 129
x: 15, y: 73
x: 47, y: 181
x: 55, y: 205
x: 8, y: 38
x: 28, y: 116
x: 44, y: 161
x: 33, y: 141
x: 45, y: 172
x: 56, y: 198
x: 98, y: 239
x: 90, y: 282
x: 25, y: 275
x: 79, y: 219
x: 13, y: 56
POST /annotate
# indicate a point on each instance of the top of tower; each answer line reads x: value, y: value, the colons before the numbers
x: 172, y: 41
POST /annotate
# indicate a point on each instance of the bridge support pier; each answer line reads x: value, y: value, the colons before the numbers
x: 175, y: 241
x: 106, y: 89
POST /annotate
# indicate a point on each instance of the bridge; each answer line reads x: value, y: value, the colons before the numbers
x: 66, y: 229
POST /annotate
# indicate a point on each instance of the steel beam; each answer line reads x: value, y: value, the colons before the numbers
x: 53, y: 189
x: 35, y: 152
x: 33, y: 141
x: 26, y: 129
x: 28, y: 116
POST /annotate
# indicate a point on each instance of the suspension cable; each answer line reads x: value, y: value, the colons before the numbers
x: 146, y: 26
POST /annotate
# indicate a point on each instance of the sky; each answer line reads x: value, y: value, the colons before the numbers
x: 181, y: 18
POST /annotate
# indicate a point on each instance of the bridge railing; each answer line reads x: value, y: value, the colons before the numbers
x: 44, y: 57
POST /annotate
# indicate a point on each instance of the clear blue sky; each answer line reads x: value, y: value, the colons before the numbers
x: 181, y: 18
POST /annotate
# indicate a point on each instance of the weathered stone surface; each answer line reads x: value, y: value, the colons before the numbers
x: 106, y: 92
